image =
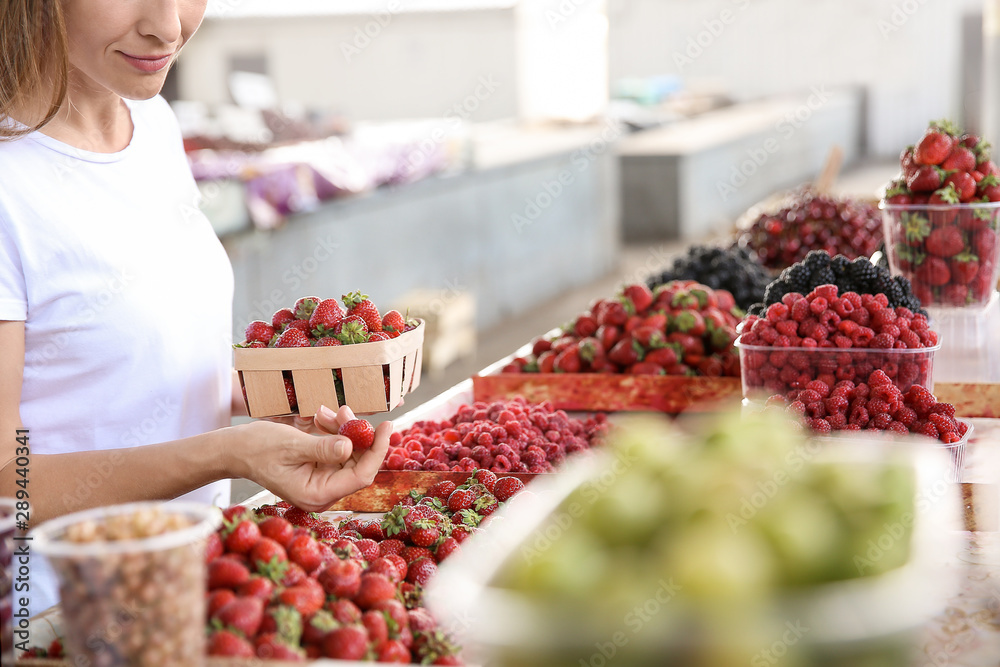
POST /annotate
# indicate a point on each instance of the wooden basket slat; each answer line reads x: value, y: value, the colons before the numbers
x: 312, y: 369
x: 314, y: 388
x: 418, y: 360
x: 265, y: 392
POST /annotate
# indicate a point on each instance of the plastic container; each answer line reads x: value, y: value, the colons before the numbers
x: 7, y: 523
x: 132, y: 601
x: 970, y: 343
x: 966, y: 276
x: 870, y: 620
x: 766, y: 370
x: 375, y: 376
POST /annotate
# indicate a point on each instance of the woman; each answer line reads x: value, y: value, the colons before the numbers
x: 115, y: 294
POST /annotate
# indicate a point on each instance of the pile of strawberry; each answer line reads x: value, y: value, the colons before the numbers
x: 286, y: 584
x: 813, y: 221
x: 55, y: 651
x: 315, y: 322
x: 949, y: 254
x: 830, y: 326
x: 877, y: 405
x: 509, y: 436
x: 681, y: 328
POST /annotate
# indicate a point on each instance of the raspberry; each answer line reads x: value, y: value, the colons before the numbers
x: 963, y: 428
x: 797, y: 408
x: 860, y: 391
x: 882, y: 341
x: 861, y: 316
x: 878, y: 407
x: 809, y: 342
x: 820, y: 387
x: 918, y: 323
x: 842, y: 388
x: 768, y: 335
x: 918, y: 394
x: 862, y: 337
x: 819, y: 333
x: 836, y: 403
x: 853, y: 298
x: 782, y: 341
x: 817, y: 305
x: 926, y: 428
x: 842, y: 307
x: 776, y: 399
x: 777, y: 312
x: 946, y: 409
x: 809, y: 396
x: 820, y: 425
x: 848, y: 327
x: 787, y: 327
x: 882, y: 421
x: 889, y: 329
x: 829, y: 319
x: 790, y: 298
x: 800, y: 310
x: 898, y: 427
x: 950, y: 437
x: 909, y: 338
x: 859, y: 417
x: 903, y: 312
x: 816, y: 410
x: 837, y: 421
x: 842, y: 341
x: 882, y: 317
x: 879, y: 379
x: 882, y: 300
x: 906, y: 416
x: 943, y: 423
x: 852, y: 427
x: 929, y: 338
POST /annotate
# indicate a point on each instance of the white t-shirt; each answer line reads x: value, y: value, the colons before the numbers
x: 126, y: 294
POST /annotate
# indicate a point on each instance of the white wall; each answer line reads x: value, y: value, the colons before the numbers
x: 417, y: 65
x: 906, y: 52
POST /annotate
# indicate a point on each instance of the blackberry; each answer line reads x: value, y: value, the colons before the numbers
x: 733, y: 269
x: 824, y: 276
x: 817, y: 259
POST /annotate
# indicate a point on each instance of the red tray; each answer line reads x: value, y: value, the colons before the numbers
x: 392, y: 486
x: 613, y: 393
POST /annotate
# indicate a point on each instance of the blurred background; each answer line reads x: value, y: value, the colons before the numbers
x: 499, y: 163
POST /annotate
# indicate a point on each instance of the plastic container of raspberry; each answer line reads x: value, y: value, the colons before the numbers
x: 950, y: 253
x: 767, y: 370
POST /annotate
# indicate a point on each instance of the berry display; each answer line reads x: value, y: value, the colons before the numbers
x: 942, y: 218
x: 503, y: 437
x: 875, y: 405
x: 828, y: 337
x: 813, y: 221
x: 680, y: 328
x: 732, y: 269
x: 858, y: 275
x: 293, y: 586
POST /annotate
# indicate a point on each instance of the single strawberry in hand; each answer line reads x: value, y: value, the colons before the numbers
x: 359, y: 304
x: 361, y: 433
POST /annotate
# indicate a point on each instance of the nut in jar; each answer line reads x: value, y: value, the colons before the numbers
x: 132, y: 581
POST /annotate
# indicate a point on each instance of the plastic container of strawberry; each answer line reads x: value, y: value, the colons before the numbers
x: 766, y: 370
x: 950, y: 253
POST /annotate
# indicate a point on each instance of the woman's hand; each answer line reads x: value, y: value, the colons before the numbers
x: 310, y: 471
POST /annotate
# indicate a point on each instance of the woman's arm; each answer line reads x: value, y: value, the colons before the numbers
x: 310, y: 471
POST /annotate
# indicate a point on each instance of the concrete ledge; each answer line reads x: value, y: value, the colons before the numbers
x: 695, y: 177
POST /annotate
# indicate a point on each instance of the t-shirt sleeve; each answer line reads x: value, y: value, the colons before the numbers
x: 13, y: 292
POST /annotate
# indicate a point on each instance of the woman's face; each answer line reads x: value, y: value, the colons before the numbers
x: 127, y: 46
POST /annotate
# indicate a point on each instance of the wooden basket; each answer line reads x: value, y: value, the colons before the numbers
x: 313, y: 375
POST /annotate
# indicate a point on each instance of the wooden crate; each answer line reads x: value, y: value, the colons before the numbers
x: 611, y: 392
x: 971, y: 399
x: 313, y: 375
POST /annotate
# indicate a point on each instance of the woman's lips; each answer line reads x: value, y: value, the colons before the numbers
x: 147, y: 63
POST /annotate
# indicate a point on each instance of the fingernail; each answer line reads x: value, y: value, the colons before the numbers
x: 340, y: 448
x: 326, y: 412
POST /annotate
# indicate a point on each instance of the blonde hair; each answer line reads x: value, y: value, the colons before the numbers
x: 33, y: 61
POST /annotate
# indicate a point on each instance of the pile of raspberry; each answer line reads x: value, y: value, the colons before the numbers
x: 841, y: 323
x: 878, y: 405
x: 503, y: 436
